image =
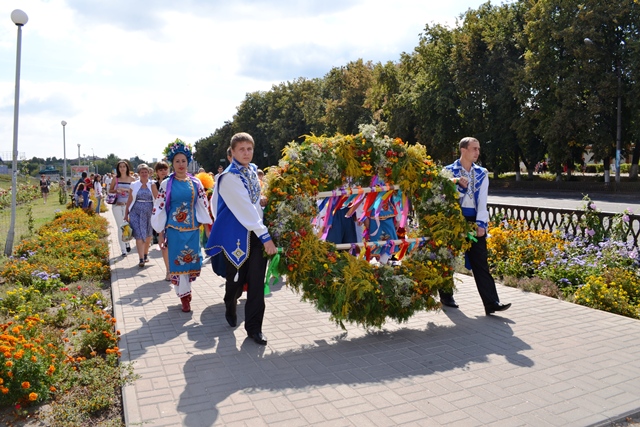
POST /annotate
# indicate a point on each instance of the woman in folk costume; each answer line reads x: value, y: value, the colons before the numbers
x: 179, y: 209
x: 239, y: 233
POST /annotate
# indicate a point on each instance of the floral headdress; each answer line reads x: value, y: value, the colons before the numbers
x: 177, y: 147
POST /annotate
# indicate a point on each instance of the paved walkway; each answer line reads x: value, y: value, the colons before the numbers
x: 543, y: 362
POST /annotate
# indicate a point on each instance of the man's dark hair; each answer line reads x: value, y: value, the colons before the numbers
x: 84, y: 174
x: 464, y: 142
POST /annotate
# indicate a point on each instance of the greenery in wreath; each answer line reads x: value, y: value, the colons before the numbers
x: 350, y: 287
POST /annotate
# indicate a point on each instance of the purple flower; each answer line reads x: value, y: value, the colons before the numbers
x: 590, y: 232
x: 625, y: 218
x: 593, y: 206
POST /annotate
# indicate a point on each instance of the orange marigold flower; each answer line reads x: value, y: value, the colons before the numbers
x: 4, y: 390
x: 33, y: 397
x: 34, y: 359
x: 26, y: 384
x: 52, y: 389
x: 8, y: 363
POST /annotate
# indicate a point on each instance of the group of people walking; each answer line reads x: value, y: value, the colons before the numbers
x: 175, y: 206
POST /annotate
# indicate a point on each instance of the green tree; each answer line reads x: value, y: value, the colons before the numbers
x: 345, y: 92
x: 487, y: 60
x: 211, y: 151
x: 429, y: 89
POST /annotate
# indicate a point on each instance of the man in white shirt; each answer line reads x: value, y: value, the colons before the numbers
x: 473, y: 187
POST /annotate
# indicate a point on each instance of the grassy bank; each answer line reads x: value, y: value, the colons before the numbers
x: 40, y: 214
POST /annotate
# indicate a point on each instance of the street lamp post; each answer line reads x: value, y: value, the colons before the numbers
x: 618, y: 113
x: 19, y: 18
x: 64, y: 150
x: 78, y: 154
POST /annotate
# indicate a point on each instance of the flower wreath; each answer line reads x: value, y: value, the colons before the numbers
x: 350, y: 287
x: 177, y: 147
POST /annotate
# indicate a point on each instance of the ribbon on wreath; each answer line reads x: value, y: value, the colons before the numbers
x: 272, y: 272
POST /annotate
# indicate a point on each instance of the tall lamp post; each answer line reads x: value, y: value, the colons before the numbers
x: 64, y: 150
x: 19, y: 18
x: 78, y: 154
x: 618, y: 113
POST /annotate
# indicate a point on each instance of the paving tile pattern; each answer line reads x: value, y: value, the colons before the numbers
x: 543, y: 362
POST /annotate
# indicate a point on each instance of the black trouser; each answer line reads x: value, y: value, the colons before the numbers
x: 252, y: 272
x: 477, y: 256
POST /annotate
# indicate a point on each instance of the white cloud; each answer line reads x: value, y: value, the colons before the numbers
x: 130, y: 76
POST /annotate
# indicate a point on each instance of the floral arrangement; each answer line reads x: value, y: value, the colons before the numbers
x: 53, y: 333
x: 26, y: 193
x: 175, y: 147
x: 598, y: 269
x: 350, y: 287
x: 71, y: 246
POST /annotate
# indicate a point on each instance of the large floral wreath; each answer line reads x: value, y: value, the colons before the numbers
x: 350, y: 287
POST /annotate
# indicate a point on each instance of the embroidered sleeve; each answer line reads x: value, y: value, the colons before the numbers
x: 482, y: 214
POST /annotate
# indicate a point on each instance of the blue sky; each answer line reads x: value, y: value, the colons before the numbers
x: 129, y: 76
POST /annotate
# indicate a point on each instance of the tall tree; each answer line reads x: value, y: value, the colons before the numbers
x: 487, y: 60
x: 345, y: 92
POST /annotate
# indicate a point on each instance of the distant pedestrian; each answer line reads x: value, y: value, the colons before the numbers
x: 121, y: 185
x: 97, y: 191
x: 162, y: 171
x: 44, y: 188
x: 138, y: 212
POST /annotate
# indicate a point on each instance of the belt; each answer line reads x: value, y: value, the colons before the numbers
x: 121, y: 204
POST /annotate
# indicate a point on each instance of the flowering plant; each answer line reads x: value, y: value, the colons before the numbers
x: 175, y: 147
x: 350, y: 287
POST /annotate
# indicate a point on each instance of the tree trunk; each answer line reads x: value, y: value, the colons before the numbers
x: 633, y: 171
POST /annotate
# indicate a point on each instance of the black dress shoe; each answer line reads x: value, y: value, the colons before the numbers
x: 232, y: 319
x: 449, y: 302
x: 498, y: 306
x: 258, y: 337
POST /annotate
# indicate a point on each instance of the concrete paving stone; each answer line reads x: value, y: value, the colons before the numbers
x: 377, y: 419
x: 290, y: 418
x: 149, y: 412
x: 204, y: 418
x: 515, y: 422
x: 311, y: 414
x: 228, y: 417
x: 150, y: 398
x: 449, y: 418
x: 351, y: 410
x: 351, y: 401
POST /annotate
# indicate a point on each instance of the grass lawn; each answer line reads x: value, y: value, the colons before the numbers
x: 41, y: 213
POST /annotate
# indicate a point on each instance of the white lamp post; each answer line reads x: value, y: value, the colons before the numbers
x: 64, y: 148
x: 78, y: 154
x: 19, y: 18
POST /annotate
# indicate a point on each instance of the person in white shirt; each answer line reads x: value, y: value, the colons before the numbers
x: 239, y: 233
x: 473, y: 186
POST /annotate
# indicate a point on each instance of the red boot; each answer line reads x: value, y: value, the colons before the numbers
x: 186, y: 307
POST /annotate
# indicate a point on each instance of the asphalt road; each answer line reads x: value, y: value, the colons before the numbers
x: 606, y: 202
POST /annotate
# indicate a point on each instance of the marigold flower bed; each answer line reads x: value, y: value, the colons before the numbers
x: 55, y: 333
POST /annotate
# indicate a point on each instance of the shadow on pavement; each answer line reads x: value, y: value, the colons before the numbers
x: 378, y: 356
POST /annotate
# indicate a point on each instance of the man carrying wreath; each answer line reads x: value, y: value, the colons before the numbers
x: 239, y: 233
x: 473, y: 187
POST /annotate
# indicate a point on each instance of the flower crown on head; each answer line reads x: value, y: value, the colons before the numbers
x: 177, y: 147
